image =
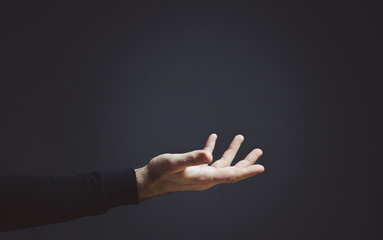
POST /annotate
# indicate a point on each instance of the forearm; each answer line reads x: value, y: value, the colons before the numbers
x: 28, y: 201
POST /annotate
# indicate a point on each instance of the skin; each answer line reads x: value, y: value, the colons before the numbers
x: 193, y: 171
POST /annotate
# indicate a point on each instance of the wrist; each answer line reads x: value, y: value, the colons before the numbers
x: 145, y: 186
x: 141, y: 175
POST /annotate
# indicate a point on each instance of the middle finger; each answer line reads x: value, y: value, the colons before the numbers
x: 230, y: 153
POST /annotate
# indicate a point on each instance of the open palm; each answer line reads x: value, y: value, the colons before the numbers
x: 221, y: 170
x: 191, y: 171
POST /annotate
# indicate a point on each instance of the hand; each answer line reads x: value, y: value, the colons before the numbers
x: 168, y: 173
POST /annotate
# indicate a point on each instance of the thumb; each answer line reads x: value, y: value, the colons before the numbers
x: 197, y: 157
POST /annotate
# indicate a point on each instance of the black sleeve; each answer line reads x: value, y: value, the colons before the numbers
x: 28, y: 201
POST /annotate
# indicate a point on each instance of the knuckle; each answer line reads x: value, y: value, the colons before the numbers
x: 195, y: 158
x: 168, y: 163
x: 190, y: 159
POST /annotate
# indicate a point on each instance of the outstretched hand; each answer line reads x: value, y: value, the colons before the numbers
x: 168, y: 173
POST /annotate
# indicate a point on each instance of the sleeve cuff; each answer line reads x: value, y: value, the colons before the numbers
x: 121, y: 188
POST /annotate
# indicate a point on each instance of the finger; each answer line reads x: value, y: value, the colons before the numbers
x: 230, y: 153
x: 250, y: 159
x: 179, y: 162
x: 210, y: 143
x: 234, y: 174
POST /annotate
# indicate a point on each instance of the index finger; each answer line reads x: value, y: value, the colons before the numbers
x: 210, y: 143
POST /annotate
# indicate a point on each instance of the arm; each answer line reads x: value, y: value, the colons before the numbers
x: 168, y: 173
x: 29, y: 201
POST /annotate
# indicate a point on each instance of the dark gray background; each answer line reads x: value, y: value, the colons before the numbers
x: 103, y: 86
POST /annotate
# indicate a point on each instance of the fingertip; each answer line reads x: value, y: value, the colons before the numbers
x: 257, y: 168
x: 214, y: 135
x: 261, y: 168
x: 240, y: 136
x: 259, y: 151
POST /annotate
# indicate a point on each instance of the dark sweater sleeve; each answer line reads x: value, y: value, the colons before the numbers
x: 29, y: 201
